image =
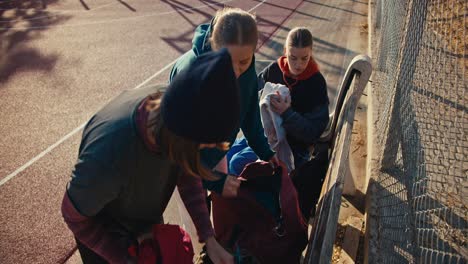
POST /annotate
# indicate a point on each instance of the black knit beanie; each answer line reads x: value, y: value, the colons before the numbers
x: 202, y: 101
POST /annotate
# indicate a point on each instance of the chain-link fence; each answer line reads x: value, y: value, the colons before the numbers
x: 419, y: 188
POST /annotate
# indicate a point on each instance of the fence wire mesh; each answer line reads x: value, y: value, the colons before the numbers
x: 419, y: 173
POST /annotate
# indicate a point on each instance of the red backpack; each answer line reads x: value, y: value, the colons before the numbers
x: 170, y: 244
x: 251, y: 225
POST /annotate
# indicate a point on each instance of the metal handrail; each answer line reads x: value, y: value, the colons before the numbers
x: 338, y: 138
x: 359, y: 64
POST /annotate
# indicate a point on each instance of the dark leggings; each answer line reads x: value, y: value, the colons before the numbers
x: 88, y: 256
x: 308, y: 180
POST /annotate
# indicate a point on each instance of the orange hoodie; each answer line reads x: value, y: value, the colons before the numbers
x: 310, y: 70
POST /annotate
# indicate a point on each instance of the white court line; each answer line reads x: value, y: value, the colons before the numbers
x: 42, y: 154
x: 259, y: 4
x: 80, y: 127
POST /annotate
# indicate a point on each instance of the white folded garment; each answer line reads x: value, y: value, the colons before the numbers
x: 272, y: 123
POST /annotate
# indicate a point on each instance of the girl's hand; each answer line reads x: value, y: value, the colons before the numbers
x: 231, y: 186
x: 217, y: 253
x: 279, y: 105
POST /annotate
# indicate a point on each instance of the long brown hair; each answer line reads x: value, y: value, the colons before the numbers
x: 233, y: 26
x: 182, y: 151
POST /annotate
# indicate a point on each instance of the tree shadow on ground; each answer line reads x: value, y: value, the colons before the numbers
x: 21, y: 23
x: 183, y: 41
x: 122, y: 2
x: 296, y: 11
x: 337, y: 8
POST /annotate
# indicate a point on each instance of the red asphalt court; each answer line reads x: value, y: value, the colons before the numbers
x: 60, y: 61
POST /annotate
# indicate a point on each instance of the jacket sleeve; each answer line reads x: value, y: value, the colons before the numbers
x: 210, y: 157
x: 307, y: 127
x: 252, y: 126
x: 93, y: 185
x: 96, y: 234
x: 194, y: 197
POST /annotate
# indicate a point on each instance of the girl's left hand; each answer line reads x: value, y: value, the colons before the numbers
x: 279, y: 105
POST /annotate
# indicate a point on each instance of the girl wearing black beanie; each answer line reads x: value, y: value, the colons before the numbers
x: 138, y: 148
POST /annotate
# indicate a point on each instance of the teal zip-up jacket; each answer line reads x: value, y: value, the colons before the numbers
x: 250, y: 121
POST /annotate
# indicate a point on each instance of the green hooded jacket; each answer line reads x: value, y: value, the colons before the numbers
x: 250, y: 121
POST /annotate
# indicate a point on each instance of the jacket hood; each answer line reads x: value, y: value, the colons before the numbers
x: 201, y: 38
x: 310, y: 70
